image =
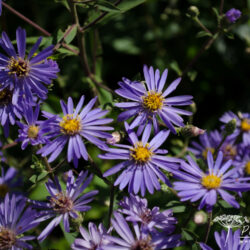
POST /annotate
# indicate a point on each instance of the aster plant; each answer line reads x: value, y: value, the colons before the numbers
x: 229, y: 241
x: 205, y: 186
x: 24, y: 74
x: 75, y: 125
x: 149, y: 100
x: 15, y: 220
x: 34, y: 131
x: 136, y: 209
x: 142, y: 161
x: 94, y: 239
x: 64, y: 204
x: 138, y: 238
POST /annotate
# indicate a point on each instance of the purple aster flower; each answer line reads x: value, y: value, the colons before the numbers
x: 24, y: 74
x: 34, y: 132
x: 137, y: 210
x: 233, y: 15
x: 8, y: 181
x: 229, y: 241
x: 242, y: 124
x: 94, y: 239
x: 75, y: 125
x: 8, y: 110
x: 139, y: 239
x: 208, y: 142
x: 141, y: 162
x: 64, y: 204
x: 14, y: 221
x: 196, y: 185
x: 148, y: 101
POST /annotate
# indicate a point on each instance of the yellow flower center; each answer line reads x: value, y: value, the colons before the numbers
x: 211, y: 181
x: 140, y: 153
x: 205, y: 151
x: 3, y: 190
x: 33, y: 131
x: 19, y: 67
x: 70, y: 125
x: 247, y: 168
x: 245, y: 125
x: 153, y: 101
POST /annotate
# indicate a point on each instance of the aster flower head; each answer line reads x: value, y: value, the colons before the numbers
x: 75, y: 125
x: 34, y: 132
x: 233, y: 15
x: 229, y: 241
x: 137, y: 211
x: 94, y: 239
x: 220, y: 178
x: 242, y: 124
x: 149, y: 101
x: 138, y: 238
x: 24, y: 74
x: 9, y: 110
x: 64, y: 204
x: 142, y: 161
x: 8, y: 181
x: 14, y: 221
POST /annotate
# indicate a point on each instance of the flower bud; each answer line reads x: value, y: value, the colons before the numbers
x: 233, y: 15
x: 193, y: 11
x: 191, y: 131
x: 77, y: 222
x: 200, y: 217
x: 116, y: 137
x: 230, y: 127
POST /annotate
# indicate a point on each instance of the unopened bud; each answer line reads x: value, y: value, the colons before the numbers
x: 200, y: 217
x: 230, y: 127
x: 193, y: 11
x: 77, y: 222
x: 116, y: 137
x: 191, y: 131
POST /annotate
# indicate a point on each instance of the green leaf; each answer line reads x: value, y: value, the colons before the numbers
x: 130, y: 4
x: 230, y: 35
x: 63, y: 2
x: 69, y: 38
x: 186, y: 235
x: 107, y: 6
x: 176, y: 206
x: 175, y: 66
x: 203, y: 33
x: 105, y: 96
x: 59, y: 35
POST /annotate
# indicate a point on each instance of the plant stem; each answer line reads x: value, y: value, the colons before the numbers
x: 218, y: 147
x: 98, y: 18
x: 111, y: 203
x: 197, y: 20
x: 45, y: 32
x: 209, y: 223
x: 205, y: 46
x: 10, y: 145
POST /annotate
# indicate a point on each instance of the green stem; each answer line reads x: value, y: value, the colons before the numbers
x: 198, y: 21
x: 218, y: 147
x: 209, y: 224
x: 111, y: 203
